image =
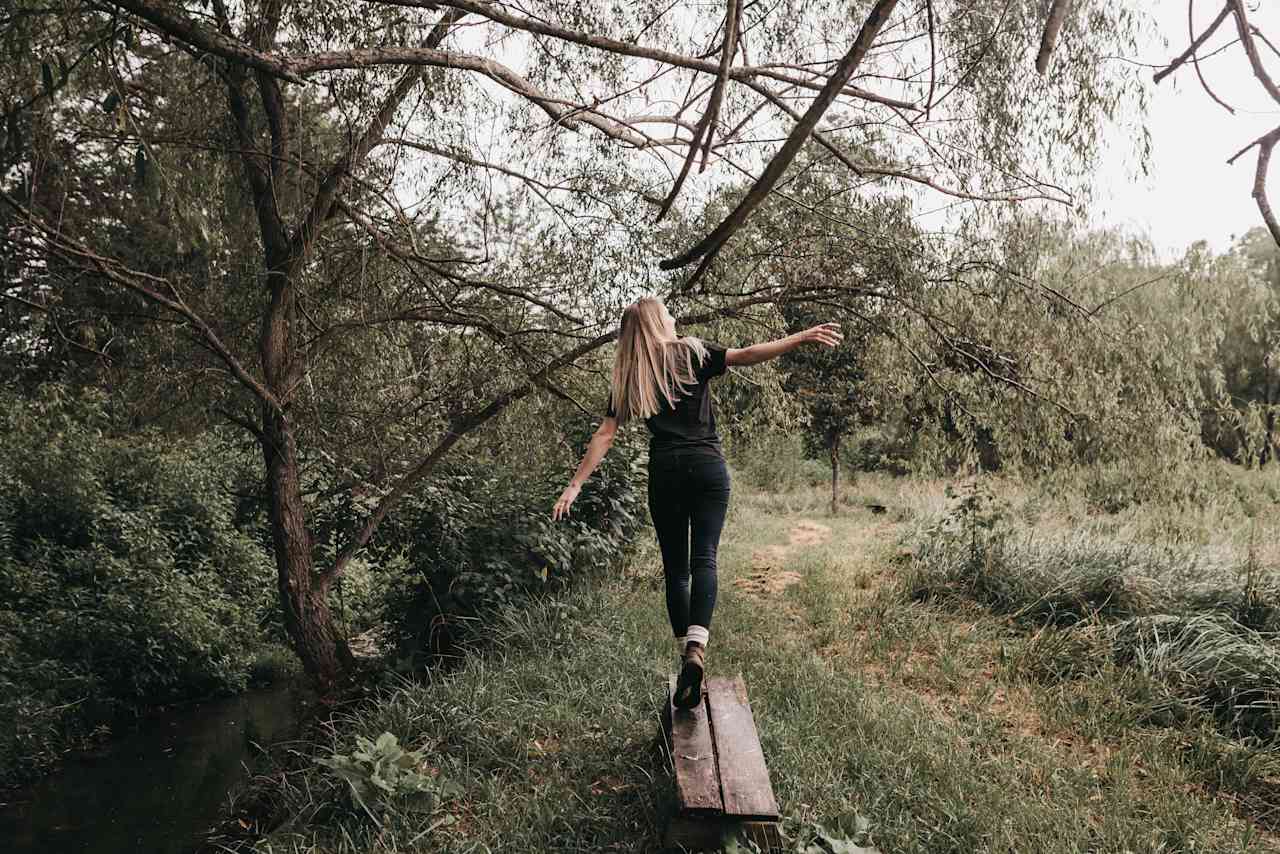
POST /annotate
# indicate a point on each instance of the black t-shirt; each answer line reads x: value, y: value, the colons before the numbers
x: 691, y: 424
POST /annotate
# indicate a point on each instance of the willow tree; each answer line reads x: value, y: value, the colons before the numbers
x: 341, y: 174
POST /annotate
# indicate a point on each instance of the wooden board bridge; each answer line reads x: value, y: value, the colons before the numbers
x: 722, y: 782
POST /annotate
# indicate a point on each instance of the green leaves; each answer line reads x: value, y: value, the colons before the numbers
x: 812, y: 838
x: 382, y: 775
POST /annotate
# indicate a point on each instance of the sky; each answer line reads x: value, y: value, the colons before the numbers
x: 1190, y: 192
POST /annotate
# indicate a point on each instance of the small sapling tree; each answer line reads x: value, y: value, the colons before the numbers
x: 831, y: 385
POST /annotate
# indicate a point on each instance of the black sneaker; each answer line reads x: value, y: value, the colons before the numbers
x: 689, y: 683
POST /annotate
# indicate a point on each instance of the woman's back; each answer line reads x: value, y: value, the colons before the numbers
x: 689, y: 425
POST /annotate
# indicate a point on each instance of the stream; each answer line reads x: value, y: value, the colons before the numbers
x: 155, y: 789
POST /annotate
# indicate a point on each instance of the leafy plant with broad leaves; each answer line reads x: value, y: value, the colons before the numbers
x: 812, y: 838
x: 382, y: 774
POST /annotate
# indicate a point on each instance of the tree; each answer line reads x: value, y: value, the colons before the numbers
x: 1243, y: 380
x: 831, y: 386
x: 333, y: 178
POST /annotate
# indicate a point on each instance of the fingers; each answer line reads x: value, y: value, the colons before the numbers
x: 827, y: 333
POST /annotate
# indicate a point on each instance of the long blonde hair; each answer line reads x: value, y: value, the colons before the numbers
x: 650, y: 362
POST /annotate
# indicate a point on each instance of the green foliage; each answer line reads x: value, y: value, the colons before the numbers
x: 480, y: 537
x: 776, y: 462
x: 1244, y: 380
x: 383, y: 775
x: 831, y: 383
x: 124, y: 582
x: 881, y: 447
x: 809, y: 837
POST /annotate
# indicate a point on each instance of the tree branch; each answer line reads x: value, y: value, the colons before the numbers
x: 625, y: 48
x: 710, y: 245
x: 1049, y: 38
x: 1251, y: 48
x: 134, y: 281
x: 722, y: 76
x: 1265, y: 146
x: 1195, y: 45
x: 161, y: 16
x: 322, y: 204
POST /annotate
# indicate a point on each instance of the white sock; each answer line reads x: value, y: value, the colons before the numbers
x: 698, y: 634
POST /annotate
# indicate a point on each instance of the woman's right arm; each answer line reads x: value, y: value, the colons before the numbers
x: 824, y: 333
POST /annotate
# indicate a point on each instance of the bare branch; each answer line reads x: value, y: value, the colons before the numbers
x: 933, y: 60
x: 1251, y: 48
x: 722, y: 76
x: 1195, y: 45
x: 705, y: 129
x: 1265, y: 146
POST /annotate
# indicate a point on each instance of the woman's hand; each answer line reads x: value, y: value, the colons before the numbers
x: 824, y: 333
x: 561, y: 510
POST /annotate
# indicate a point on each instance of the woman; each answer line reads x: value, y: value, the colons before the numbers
x: 663, y: 379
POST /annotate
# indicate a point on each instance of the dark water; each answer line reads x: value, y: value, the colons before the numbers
x: 155, y: 790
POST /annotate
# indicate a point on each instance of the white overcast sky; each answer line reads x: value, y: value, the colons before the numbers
x: 1190, y: 193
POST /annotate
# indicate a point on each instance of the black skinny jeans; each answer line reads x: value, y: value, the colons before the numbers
x: 688, y: 499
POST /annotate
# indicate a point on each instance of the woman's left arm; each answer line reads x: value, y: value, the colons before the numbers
x: 599, y: 445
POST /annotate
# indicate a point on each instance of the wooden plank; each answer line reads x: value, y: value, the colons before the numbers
x: 711, y: 832
x: 693, y: 756
x: 744, y: 778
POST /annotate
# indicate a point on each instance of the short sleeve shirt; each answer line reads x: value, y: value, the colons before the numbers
x: 691, y: 424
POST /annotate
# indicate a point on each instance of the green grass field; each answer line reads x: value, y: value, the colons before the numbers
x: 898, y: 700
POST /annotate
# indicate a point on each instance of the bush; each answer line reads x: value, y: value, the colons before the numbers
x: 123, y: 581
x: 776, y: 462
x: 879, y: 448
x: 479, y: 538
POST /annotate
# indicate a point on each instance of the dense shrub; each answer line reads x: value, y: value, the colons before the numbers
x: 479, y: 537
x: 879, y: 448
x: 776, y: 462
x: 123, y: 580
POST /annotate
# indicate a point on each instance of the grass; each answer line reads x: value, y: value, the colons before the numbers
x: 933, y: 723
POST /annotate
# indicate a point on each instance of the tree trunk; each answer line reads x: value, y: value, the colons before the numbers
x: 304, y: 597
x: 303, y: 591
x: 835, y: 474
x: 1270, y: 418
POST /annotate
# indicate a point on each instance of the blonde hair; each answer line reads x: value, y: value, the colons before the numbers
x: 650, y: 363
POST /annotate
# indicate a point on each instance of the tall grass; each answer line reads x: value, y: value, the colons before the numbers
x: 1181, y: 595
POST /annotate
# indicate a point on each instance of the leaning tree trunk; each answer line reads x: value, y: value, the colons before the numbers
x: 304, y: 592
x: 304, y: 598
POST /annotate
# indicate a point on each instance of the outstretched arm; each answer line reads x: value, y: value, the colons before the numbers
x: 824, y: 333
x: 599, y: 445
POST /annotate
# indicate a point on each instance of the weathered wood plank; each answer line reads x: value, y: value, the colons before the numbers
x: 744, y: 778
x: 693, y: 755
